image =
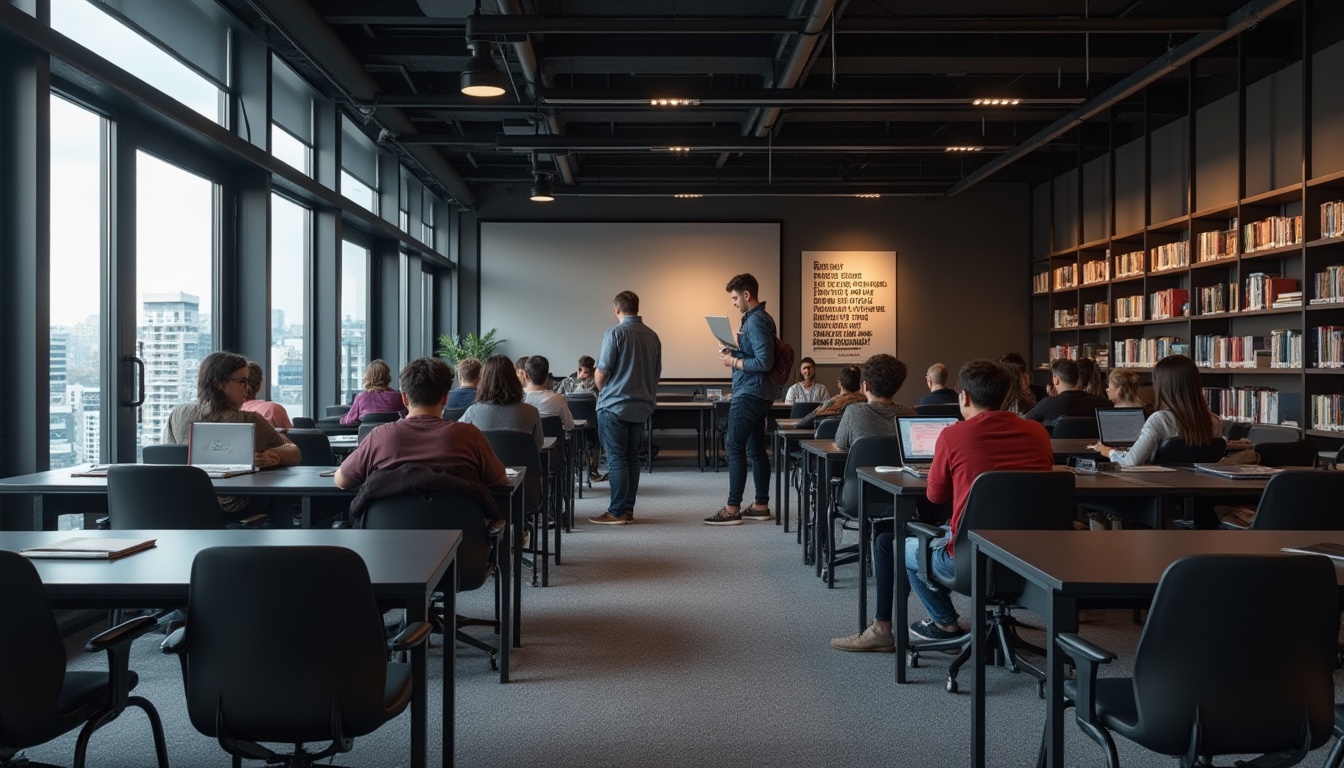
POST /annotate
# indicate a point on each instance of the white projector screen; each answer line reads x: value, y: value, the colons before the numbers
x: 548, y: 287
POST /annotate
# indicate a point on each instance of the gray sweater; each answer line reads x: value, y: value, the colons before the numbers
x: 519, y: 417
x: 864, y: 419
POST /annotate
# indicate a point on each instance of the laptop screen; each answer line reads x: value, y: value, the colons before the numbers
x: 221, y: 444
x: 1119, y: 426
x: 919, y: 434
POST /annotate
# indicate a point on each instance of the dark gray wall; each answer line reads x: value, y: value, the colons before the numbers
x: 963, y: 263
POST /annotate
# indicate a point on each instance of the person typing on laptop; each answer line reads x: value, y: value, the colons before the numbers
x: 1179, y: 410
x: 222, y: 386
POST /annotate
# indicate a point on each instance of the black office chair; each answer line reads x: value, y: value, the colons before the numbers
x: 336, y: 410
x: 39, y: 699
x: 1296, y: 453
x: 998, y: 501
x: 870, y: 451
x: 801, y: 408
x: 453, y: 414
x: 303, y: 422
x: 939, y: 409
x: 675, y: 397
x: 1174, y: 450
x: 1201, y: 685
x: 1272, y: 433
x: 164, y: 496
x: 1300, y: 500
x: 477, y: 554
x: 519, y: 449
x: 583, y: 406
x: 165, y: 453
x: 315, y: 447
x: 1074, y: 427
x: 261, y: 666
x: 718, y: 431
x: 554, y: 426
x: 1336, y: 756
x: 366, y: 427
x: 826, y: 428
x: 379, y: 417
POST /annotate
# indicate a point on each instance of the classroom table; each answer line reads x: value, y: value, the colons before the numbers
x: 405, y: 567
x: 784, y: 439
x: 703, y: 410
x: 1098, y: 567
x: 821, y: 456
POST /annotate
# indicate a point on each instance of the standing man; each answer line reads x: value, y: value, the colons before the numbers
x: 628, y: 369
x: 752, y: 394
x: 808, y: 390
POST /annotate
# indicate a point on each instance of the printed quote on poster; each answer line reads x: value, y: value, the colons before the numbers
x: 849, y: 305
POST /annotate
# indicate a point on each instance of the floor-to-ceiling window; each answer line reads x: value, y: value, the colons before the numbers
x: 291, y: 244
x: 354, y: 318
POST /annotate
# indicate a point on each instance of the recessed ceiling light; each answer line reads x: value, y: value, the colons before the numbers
x: 686, y: 195
x: 996, y: 102
x: 674, y: 102
x: 868, y: 195
x: 963, y: 149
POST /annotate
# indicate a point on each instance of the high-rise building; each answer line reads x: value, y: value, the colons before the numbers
x: 169, y: 343
x: 84, y: 405
x: 61, y: 423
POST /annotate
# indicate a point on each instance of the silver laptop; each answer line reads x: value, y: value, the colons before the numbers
x: 223, y: 450
x: 1119, y: 427
x: 722, y: 330
x: 919, y: 434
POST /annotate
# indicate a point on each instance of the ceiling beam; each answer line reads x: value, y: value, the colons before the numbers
x: 505, y: 26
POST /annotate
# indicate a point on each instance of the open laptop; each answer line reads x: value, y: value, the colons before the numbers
x: 1119, y: 427
x: 222, y: 450
x: 919, y: 434
x: 722, y: 330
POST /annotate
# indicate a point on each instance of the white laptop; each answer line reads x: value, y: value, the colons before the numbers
x: 919, y: 434
x: 223, y: 450
x: 1119, y: 427
x: 722, y: 330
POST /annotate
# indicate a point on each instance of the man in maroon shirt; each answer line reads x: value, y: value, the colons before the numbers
x: 988, y: 439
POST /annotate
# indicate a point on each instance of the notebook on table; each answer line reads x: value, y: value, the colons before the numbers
x: 918, y: 436
x: 222, y: 450
x: 1238, y: 471
x: 1119, y: 427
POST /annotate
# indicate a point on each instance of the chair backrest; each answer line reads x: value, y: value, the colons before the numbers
x: 453, y: 414
x: 443, y: 510
x: 165, y: 453
x: 379, y: 417
x: 1174, y: 450
x: 826, y: 428
x: 553, y: 426
x: 1028, y: 501
x: 273, y: 668
x: 519, y: 449
x: 337, y: 410
x: 801, y: 408
x: 315, y: 447
x: 721, y: 408
x: 939, y: 409
x: 1272, y: 433
x: 583, y: 406
x: 1302, y: 500
x: 165, y: 496
x: 365, y: 428
x: 303, y: 422
x: 1296, y: 453
x: 675, y: 397
x: 32, y: 659
x: 868, y: 451
x: 1073, y: 427
x: 1234, y: 430
x: 1205, y: 652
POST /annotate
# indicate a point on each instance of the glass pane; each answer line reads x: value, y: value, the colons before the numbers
x: 290, y: 246
x: 175, y: 247
x: 119, y: 44
x: 354, y: 308
x: 290, y: 150
x: 359, y: 192
x: 426, y: 340
x: 77, y: 354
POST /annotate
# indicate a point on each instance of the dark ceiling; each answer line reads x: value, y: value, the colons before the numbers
x: 803, y: 97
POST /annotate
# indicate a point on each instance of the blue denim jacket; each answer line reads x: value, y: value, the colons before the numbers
x: 756, y: 349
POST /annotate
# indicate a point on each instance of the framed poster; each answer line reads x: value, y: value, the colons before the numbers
x: 849, y: 305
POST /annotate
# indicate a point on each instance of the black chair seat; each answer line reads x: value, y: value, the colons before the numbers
x: 83, y: 692
x: 1115, y: 703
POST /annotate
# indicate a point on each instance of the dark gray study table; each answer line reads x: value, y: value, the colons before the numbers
x: 404, y: 566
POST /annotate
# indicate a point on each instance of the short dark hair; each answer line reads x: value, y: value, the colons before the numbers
x: 986, y: 383
x: 1066, y: 370
x: 522, y: 363
x: 884, y: 374
x: 538, y: 369
x: 469, y: 370
x: 744, y: 283
x: 588, y: 362
x: 1018, y: 362
x: 627, y: 302
x: 849, y: 378
x: 499, y: 382
x: 254, y: 375
x: 807, y: 360
x: 213, y: 375
x: 426, y: 381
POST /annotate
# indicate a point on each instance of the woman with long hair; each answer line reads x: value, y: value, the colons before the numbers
x: 499, y: 401
x: 1179, y: 410
x: 378, y: 395
x: 1090, y: 378
x: 1020, y: 399
x: 222, y: 386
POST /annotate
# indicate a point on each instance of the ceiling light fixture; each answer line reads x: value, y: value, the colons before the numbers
x: 868, y: 195
x: 541, y: 188
x: 482, y: 77
x: 996, y: 102
x: 674, y: 102
x: 687, y: 195
x: 674, y: 149
x: 963, y: 149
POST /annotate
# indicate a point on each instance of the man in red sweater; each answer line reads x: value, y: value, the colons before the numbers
x: 988, y: 439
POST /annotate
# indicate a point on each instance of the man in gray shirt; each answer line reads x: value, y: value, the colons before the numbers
x: 628, y: 369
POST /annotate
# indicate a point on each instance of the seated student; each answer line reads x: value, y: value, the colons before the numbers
x: 582, y: 382
x: 538, y: 396
x: 988, y: 439
x: 1179, y: 410
x: 1024, y: 395
x: 1122, y: 387
x: 883, y: 376
x: 849, y: 381
x: 469, y: 375
x: 808, y: 390
x: 274, y: 413
x: 424, y: 437
x: 521, y: 369
x: 1068, y: 399
x: 499, y: 402
x: 1090, y: 378
x: 378, y: 395
x: 939, y: 392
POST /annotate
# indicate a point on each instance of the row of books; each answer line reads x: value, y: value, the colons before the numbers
x: 1273, y: 232
x: 1129, y: 309
x: 1327, y: 412
x: 1098, y: 313
x: 1216, y: 299
x: 1097, y: 271
x: 1170, y: 256
x: 1328, y: 286
x: 1266, y: 291
x: 1144, y: 353
x: 1064, y: 318
x: 1285, y: 349
x: 1129, y: 264
x: 1098, y: 352
x: 1066, y: 276
x: 1251, y: 404
x: 1213, y: 351
x: 1332, y: 219
x: 1168, y: 304
x: 1212, y: 246
x: 1329, y: 346
x: 1040, y: 283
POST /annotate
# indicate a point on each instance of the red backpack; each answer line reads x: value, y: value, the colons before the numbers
x: 783, y: 367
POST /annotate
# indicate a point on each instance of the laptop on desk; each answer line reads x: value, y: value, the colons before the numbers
x: 1119, y: 427
x: 223, y: 450
x: 918, y: 436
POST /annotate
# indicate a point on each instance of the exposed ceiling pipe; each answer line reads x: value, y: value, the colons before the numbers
x: 1239, y: 21
x: 313, y: 37
x: 536, y: 80
x: 519, y: 25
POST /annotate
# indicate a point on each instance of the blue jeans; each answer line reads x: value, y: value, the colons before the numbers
x: 745, y: 441
x: 622, y: 440
x: 934, y: 598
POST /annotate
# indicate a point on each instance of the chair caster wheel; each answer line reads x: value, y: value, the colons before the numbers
x: 951, y: 685
x: 1040, y: 690
x: 913, y: 661
x: 494, y: 665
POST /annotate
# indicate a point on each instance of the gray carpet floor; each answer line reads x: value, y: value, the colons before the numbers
x: 671, y: 643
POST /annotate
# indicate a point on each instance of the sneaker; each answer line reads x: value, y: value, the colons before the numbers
x: 596, y: 478
x: 752, y: 513
x: 724, y: 517
x: 609, y: 519
x: 927, y: 630
x: 867, y: 640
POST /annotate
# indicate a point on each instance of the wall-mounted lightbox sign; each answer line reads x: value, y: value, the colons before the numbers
x: 849, y: 305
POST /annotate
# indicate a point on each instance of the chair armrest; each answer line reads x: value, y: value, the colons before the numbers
x: 253, y: 521
x: 175, y: 641
x: 1087, y: 660
x: 340, y: 524
x: 117, y: 643
x: 103, y: 523
x: 414, y: 635
x: 1228, y: 525
x: 926, y: 534
x: 1081, y: 650
x: 124, y: 632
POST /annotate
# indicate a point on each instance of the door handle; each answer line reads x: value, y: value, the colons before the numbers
x: 140, y: 381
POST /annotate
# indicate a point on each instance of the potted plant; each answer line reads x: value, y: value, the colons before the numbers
x: 457, y: 349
